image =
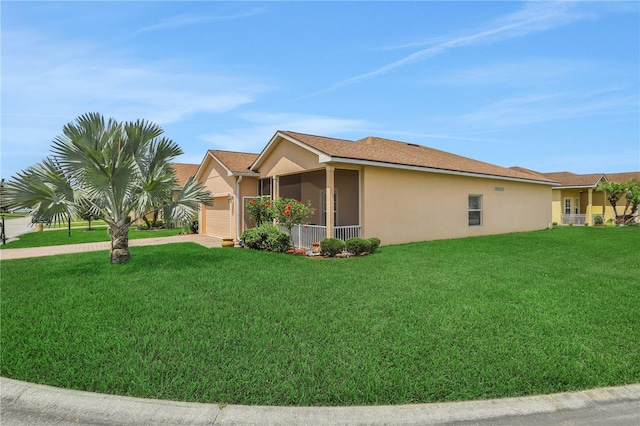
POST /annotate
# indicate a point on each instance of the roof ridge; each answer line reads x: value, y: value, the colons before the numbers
x: 315, y: 136
x: 233, y: 152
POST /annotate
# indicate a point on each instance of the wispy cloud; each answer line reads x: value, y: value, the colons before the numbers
x: 533, y: 17
x: 50, y: 82
x: 261, y: 126
x: 189, y: 19
x: 523, y: 72
x: 545, y: 107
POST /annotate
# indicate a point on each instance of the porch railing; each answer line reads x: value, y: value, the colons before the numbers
x: 305, y: 235
x: 575, y: 219
x: 345, y: 232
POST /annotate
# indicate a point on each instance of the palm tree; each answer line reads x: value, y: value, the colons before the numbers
x: 613, y: 190
x: 632, y: 194
x: 117, y: 171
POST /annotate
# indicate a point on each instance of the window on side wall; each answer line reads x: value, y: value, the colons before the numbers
x: 475, y: 210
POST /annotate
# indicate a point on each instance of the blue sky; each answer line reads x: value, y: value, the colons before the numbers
x: 550, y: 86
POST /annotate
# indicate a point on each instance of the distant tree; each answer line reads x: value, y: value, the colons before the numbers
x: 86, y: 213
x: 117, y: 171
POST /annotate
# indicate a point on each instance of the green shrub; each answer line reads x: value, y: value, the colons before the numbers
x: 252, y: 238
x: 358, y: 245
x: 598, y: 220
x: 266, y: 237
x: 278, y: 241
x: 375, y: 243
x: 555, y: 223
x: 331, y: 246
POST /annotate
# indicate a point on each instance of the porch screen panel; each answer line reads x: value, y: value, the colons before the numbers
x: 290, y: 187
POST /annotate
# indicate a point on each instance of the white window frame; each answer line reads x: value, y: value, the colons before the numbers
x: 568, y: 205
x: 470, y: 210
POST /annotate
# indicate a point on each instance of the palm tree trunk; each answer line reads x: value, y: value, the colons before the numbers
x: 119, y: 243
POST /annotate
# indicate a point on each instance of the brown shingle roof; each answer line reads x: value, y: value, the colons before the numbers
x: 407, y: 154
x: 572, y: 179
x: 235, y: 161
x: 622, y: 177
x: 184, y: 171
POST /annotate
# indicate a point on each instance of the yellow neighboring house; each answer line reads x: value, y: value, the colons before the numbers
x: 399, y: 192
x: 576, y: 200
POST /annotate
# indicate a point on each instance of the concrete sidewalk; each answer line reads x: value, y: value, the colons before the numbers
x: 30, y: 404
x: 21, y: 253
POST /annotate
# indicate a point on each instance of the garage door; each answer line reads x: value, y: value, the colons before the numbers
x: 218, y: 218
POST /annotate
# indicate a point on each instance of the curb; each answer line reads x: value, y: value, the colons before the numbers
x: 26, y: 403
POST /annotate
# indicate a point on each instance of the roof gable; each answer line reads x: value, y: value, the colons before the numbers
x: 234, y: 163
x: 568, y: 179
x: 184, y: 171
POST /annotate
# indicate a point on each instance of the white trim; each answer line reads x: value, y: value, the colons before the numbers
x: 433, y: 170
x: 221, y: 194
x: 575, y: 187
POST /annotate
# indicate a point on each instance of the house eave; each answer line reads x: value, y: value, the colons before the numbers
x: 576, y: 187
x: 247, y: 174
x: 329, y: 159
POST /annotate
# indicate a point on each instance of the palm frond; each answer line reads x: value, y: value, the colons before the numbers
x: 186, y: 203
x: 46, y: 188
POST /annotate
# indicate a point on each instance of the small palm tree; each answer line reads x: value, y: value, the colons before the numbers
x: 632, y: 194
x: 614, y: 191
x: 117, y: 171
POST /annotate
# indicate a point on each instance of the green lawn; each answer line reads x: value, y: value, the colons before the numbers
x: 14, y: 215
x: 487, y: 317
x: 78, y: 236
x: 79, y: 224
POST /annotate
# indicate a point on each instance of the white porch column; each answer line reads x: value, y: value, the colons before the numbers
x: 330, y: 188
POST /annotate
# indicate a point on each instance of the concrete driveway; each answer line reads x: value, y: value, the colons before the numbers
x: 16, y: 227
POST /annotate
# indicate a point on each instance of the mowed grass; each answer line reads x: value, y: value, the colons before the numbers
x: 79, y: 224
x: 79, y: 236
x: 487, y: 317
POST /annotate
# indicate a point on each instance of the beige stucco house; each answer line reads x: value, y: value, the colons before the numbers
x: 226, y: 174
x: 576, y: 199
x: 396, y: 191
